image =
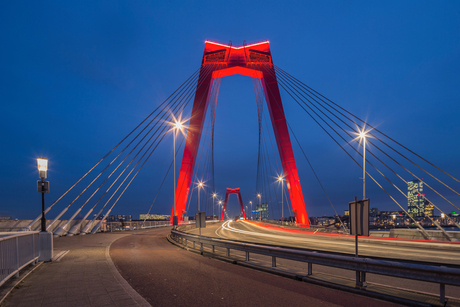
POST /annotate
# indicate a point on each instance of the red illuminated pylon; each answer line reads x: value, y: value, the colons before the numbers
x: 254, y: 61
x: 238, y: 194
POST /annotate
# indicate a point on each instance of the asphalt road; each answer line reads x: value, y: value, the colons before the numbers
x: 166, y: 275
x: 436, y: 252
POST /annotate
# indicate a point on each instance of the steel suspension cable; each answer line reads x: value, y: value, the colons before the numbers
x: 163, y: 124
x: 373, y: 128
x: 105, y: 156
x: 374, y: 136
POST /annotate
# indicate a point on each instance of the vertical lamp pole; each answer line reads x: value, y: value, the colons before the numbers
x: 42, y: 165
x: 362, y: 135
x: 260, y: 200
x: 176, y: 126
x: 280, y: 180
x: 174, y: 177
x: 214, y: 195
x: 200, y: 185
x: 220, y: 204
x: 250, y: 203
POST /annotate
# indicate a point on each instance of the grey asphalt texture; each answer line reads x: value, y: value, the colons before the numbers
x: 166, y: 275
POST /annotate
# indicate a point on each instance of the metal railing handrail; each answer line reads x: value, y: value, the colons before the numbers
x: 16, y: 252
x: 418, y: 271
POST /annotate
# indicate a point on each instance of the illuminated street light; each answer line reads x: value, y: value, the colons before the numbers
x: 362, y: 136
x: 200, y: 186
x: 280, y: 180
x: 42, y: 186
x: 260, y: 199
x: 177, y: 125
x: 442, y: 218
x: 214, y: 195
x: 250, y: 202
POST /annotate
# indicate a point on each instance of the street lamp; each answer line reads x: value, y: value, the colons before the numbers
x: 177, y: 125
x: 214, y: 195
x: 250, y: 202
x: 260, y: 212
x: 280, y: 180
x: 200, y: 185
x: 362, y: 136
x: 442, y: 218
x: 42, y: 186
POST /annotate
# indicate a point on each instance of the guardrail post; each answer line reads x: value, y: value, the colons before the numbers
x: 273, y: 261
x: 228, y: 252
x: 193, y: 244
x: 310, y: 268
x: 363, y: 279
x: 247, y: 256
x: 201, y: 246
x: 17, y: 257
x: 186, y: 243
x: 213, y: 249
x: 442, y: 293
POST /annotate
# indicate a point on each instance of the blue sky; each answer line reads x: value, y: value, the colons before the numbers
x: 77, y: 77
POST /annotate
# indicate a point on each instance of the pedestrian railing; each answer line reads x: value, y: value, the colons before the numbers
x: 441, y: 274
x: 16, y: 252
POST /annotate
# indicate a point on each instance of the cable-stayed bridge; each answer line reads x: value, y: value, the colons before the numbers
x: 187, y: 119
x: 385, y: 162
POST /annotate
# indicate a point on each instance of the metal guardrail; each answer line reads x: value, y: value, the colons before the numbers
x: 16, y: 252
x: 442, y: 275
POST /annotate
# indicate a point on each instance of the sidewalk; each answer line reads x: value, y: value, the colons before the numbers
x: 85, y: 276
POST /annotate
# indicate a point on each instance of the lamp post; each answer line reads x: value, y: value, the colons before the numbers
x: 220, y: 204
x: 442, y: 218
x: 280, y: 180
x: 214, y: 195
x: 362, y: 136
x: 42, y: 165
x: 177, y: 125
x: 250, y: 203
x: 200, y: 185
x: 45, y: 238
x: 260, y: 212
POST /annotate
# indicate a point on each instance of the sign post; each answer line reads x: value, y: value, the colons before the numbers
x: 200, y: 219
x: 359, y: 226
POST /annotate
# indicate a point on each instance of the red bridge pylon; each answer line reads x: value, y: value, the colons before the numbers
x: 238, y: 194
x: 255, y: 61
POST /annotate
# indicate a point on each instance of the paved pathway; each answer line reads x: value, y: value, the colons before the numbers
x: 86, y: 276
x: 166, y: 275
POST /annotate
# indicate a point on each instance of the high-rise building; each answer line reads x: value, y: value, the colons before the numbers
x: 415, y: 199
x: 429, y: 208
x: 263, y: 211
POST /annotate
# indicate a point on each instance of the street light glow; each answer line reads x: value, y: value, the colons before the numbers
x: 258, y: 195
x: 178, y: 124
x: 42, y: 164
x: 214, y: 195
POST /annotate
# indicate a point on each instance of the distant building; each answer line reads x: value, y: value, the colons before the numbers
x: 154, y: 217
x: 119, y: 217
x: 262, y: 211
x: 415, y: 199
x: 374, y: 212
x: 429, y: 208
